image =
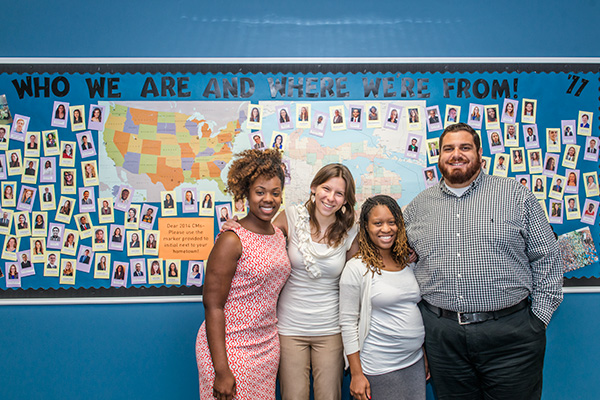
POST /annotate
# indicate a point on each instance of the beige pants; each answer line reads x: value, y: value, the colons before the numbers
x: 298, y: 354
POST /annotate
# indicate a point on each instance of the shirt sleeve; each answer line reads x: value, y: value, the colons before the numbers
x: 350, y: 299
x: 545, y: 262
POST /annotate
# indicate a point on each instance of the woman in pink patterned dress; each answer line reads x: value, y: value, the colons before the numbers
x: 237, y: 348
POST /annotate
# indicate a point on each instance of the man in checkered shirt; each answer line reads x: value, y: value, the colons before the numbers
x: 490, y: 275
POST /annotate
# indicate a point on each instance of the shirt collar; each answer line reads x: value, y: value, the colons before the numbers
x: 444, y: 188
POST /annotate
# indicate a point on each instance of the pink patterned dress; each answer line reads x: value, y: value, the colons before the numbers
x: 251, y: 338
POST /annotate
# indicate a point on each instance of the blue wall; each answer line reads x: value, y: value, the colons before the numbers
x: 147, y: 350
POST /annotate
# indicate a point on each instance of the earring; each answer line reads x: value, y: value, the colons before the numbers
x: 344, y: 209
x: 312, y: 197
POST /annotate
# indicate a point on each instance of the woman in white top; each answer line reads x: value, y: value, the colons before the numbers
x: 320, y: 236
x: 381, y: 324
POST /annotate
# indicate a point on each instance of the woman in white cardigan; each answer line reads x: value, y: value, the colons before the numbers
x: 382, y: 329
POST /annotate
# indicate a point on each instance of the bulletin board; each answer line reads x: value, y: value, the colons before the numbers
x: 113, y: 173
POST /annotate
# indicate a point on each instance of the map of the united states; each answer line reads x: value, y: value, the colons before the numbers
x: 169, y: 148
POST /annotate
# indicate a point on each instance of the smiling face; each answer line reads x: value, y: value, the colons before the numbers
x: 382, y: 227
x: 330, y: 196
x: 460, y: 161
x: 264, y: 198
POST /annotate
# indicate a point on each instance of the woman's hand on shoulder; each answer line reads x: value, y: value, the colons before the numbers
x: 413, y: 257
x: 224, y: 386
x: 230, y: 224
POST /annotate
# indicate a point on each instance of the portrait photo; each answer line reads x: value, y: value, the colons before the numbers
x: 392, y: 118
x: 67, y: 153
x: 30, y: 171
x: 509, y: 111
x: 557, y: 187
x: 138, y: 271
x: 528, y: 112
x: 47, y: 170
x: 556, y: 212
x: 116, y: 239
x: 254, y: 116
x: 535, y: 161
x: 15, y: 162
x: 77, y: 114
x: 19, y: 128
x: 539, y: 186
x: 70, y: 241
x: 492, y: 120
x: 22, y: 224
x: 84, y: 258
x: 102, y: 266
x: 134, y: 243
x: 195, y: 274
x: 257, y: 142
x: 475, y: 119
x: 319, y: 124
x: 356, y: 117
x: 60, y: 115
x: 32, y: 148
x: 283, y: 117
x: 550, y: 164
x: 511, y: 135
x: 374, y: 118
x: 173, y: 272
x: 572, y: 207
x: 434, y: 121
x: 85, y: 227
x: 39, y: 221
x: 38, y: 250
x: 13, y: 274
x: 148, y: 215
x: 151, y: 242
x: 26, y: 198
x: 570, y: 156
x: 568, y: 131
x: 9, y: 197
x: 430, y: 176
x: 518, y: 159
x: 55, y: 236
x: 553, y: 140
x: 531, y: 137
x: 168, y: 203
x: 6, y: 219
x: 132, y: 217
x: 337, y: 117
x: 452, y: 115
x: 303, y: 115
x: 413, y: 146
x: 584, y: 123
x: 11, y: 247
x: 87, y: 196
x: 100, y: 241
x: 68, y: 181
x: 590, y: 211
x: 51, y: 143
x: 501, y: 164
x: 591, y: 148
x: 97, y: 117
x: 591, y: 184
x: 572, y: 185
x: 89, y: 171
x: 486, y: 163
x: 524, y: 180
x: 495, y: 141
x: 52, y: 264
x: 155, y: 271
x: 119, y: 274
x: 124, y: 198
x: 4, y: 136
x: 240, y: 208
x: 85, y: 143
x: 105, y: 210
x: 433, y: 150
x: 207, y: 207
x: 25, y: 263
x: 414, y: 118
x: 223, y: 212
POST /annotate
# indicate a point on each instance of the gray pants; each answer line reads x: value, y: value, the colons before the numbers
x: 403, y: 384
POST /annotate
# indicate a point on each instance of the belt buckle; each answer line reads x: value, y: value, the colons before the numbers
x: 460, y: 321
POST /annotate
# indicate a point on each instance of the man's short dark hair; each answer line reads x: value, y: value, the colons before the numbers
x: 461, y: 126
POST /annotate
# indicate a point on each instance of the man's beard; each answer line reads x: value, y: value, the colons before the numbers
x: 458, y: 177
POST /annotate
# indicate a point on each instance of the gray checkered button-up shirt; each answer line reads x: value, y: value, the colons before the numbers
x: 486, y: 250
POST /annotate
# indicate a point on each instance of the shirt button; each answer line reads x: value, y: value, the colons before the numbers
x: 458, y: 234
x: 457, y: 215
x: 459, y: 275
x: 458, y: 255
x: 460, y: 297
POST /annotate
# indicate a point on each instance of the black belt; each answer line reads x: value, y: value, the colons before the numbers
x: 473, y: 318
